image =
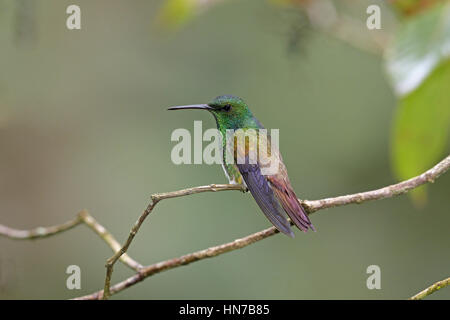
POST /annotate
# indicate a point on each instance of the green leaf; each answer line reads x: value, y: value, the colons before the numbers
x: 421, y: 44
x: 421, y: 127
x: 418, y: 64
x: 177, y: 12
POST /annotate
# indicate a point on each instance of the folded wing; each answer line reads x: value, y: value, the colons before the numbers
x: 264, y: 196
x: 271, y: 191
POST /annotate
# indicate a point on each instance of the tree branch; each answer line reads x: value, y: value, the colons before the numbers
x: 431, y: 289
x: 39, y: 232
x: 109, y: 239
x: 387, y: 192
x: 155, y: 199
x: 183, y: 260
x: 144, y: 272
x: 310, y: 206
x: 82, y: 217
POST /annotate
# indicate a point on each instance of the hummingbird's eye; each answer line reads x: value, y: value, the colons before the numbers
x: 227, y: 107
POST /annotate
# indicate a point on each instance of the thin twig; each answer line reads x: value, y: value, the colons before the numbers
x: 39, y: 232
x: 109, y: 239
x: 82, y: 217
x: 431, y: 289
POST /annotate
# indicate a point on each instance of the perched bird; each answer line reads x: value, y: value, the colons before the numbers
x: 273, y: 192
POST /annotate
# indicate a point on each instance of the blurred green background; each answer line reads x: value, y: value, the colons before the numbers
x: 83, y: 124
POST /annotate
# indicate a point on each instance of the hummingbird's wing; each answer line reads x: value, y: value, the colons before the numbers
x: 272, y: 189
x: 285, y: 194
x: 264, y: 197
x: 257, y: 183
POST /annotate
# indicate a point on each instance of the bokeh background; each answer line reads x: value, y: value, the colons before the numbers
x: 83, y: 124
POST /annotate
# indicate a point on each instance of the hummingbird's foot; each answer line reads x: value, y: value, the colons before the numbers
x: 245, y: 190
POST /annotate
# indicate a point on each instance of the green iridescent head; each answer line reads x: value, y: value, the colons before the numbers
x: 229, y: 111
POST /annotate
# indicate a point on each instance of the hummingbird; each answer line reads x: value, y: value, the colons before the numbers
x: 272, y: 192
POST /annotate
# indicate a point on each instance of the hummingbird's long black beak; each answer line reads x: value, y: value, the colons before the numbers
x: 192, y: 106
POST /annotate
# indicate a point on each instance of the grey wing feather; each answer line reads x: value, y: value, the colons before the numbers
x: 264, y: 196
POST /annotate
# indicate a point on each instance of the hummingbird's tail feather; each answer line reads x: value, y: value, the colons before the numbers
x: 265, y: 198
x: 290, y: 203
x: 297, y: 214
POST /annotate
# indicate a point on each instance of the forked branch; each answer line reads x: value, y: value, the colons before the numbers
x: 144, y: 272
